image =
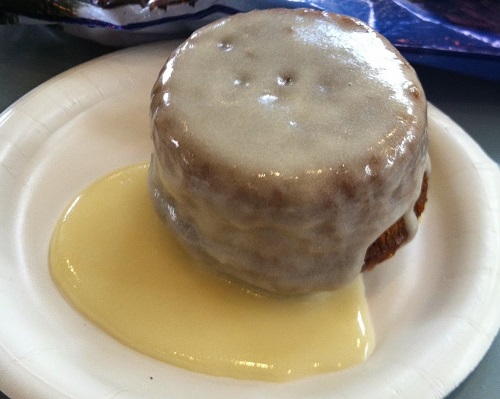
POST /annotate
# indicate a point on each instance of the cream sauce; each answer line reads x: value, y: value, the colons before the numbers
x: 118, y: 264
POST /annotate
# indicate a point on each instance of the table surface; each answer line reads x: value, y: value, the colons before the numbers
x: 30, y: 55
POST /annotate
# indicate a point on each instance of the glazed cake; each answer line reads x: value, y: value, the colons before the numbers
x: 287, y: 145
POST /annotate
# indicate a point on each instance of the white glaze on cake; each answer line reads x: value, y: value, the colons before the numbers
x: 286, y: 142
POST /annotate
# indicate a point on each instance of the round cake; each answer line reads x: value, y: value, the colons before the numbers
x: 290, y: 148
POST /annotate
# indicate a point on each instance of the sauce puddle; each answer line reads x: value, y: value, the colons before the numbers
x: 118, y: 264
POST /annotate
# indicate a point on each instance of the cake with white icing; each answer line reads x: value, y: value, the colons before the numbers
x: 286, y: 144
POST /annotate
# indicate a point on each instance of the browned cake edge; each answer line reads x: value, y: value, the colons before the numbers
x: 395, y: 236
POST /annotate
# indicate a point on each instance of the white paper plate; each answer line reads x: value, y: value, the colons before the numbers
x: 434, y: 305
